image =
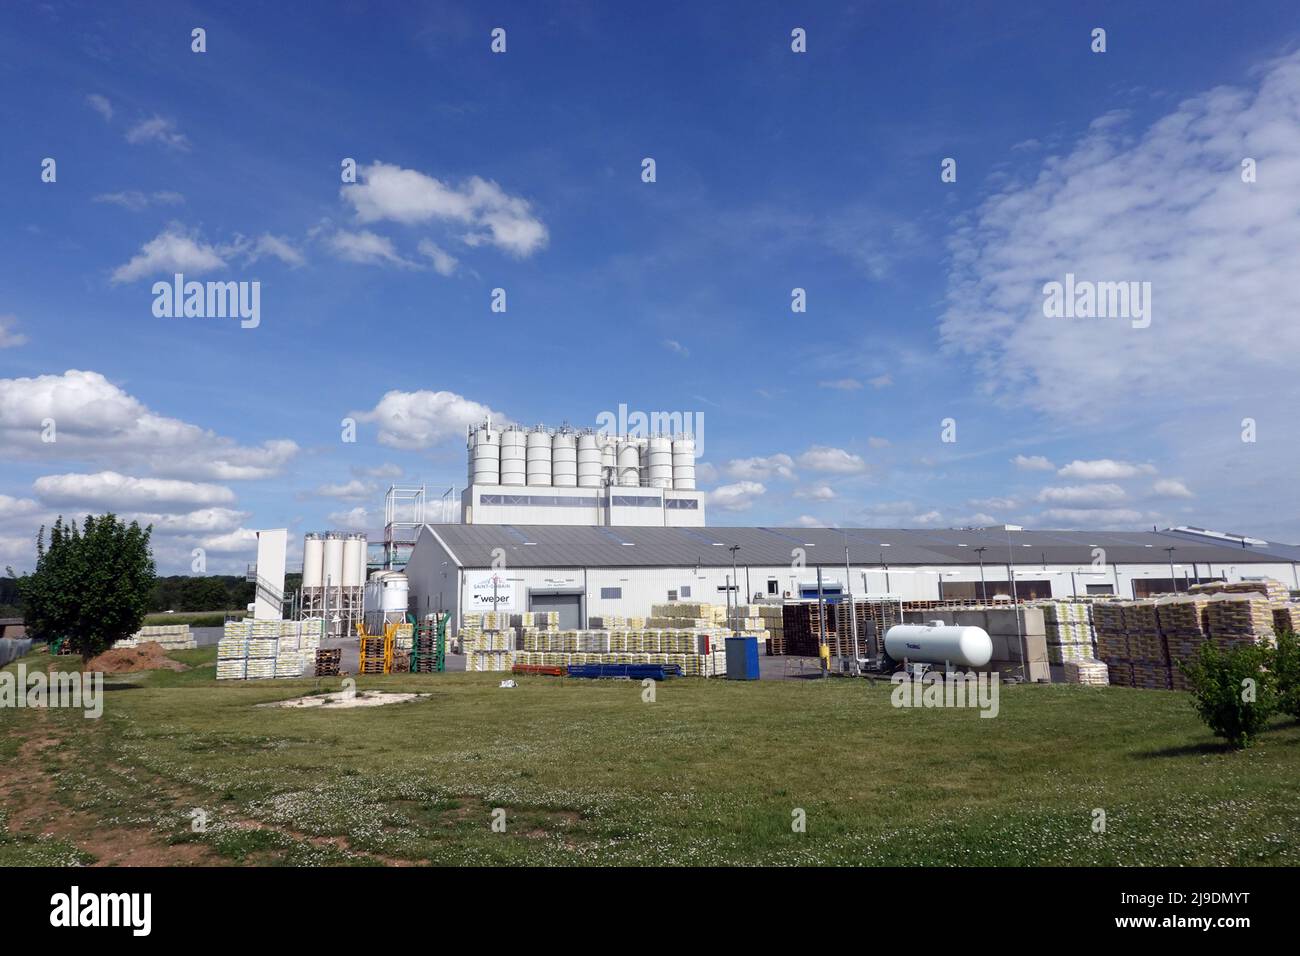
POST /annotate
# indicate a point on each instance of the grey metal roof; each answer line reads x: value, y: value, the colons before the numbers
x: 564, y: 546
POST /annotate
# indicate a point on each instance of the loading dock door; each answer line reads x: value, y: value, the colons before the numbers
x: 569, y: 606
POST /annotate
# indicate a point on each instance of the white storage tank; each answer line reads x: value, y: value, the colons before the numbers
x: 373, y: 597
x: 485, y: 456
x: 629, y: 464
x: 354, y: 561
x: 659, y: 461
x: 313, y: 561
x: 564, y: 460
x: 588, y: 461
x: 539, y: 456
x: 684, y: 464
x: 514, y: 441
x: 939, y: 643
x: 333, y: 564
x: 608, y: 461
x: 395, y: 590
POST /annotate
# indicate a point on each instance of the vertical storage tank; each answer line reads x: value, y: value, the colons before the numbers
x: 588, y: 461
x: 539, y: 456
x: 684, y: 464
x: 354, y: 561
x: 513, y: 456
x: 313, y: 561
x: 564, y: 460
x: 333, y: 565
x: 629, y: 464
x: 485, y: 456
x: 608, y: 461
x: 659, y: 463
x: 395, y: 592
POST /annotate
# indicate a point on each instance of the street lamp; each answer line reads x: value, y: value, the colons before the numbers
x: 735, y: 584
x: 984, y: 591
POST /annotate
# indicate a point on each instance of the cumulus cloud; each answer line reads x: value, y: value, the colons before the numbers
x: 93, y: 418
x: 423, y: 418
x: 1032, y: 463
x: 368, y: 248
x: 239, y: 541
x: 169, y: 252
x: 673, y: 345
x: 101, y: 105
x: 1167, y: 205
x: 1171, y: 488
x: 808, y: 521
x: 357, y: 519
x: 158, y: 129
x: 1102, y: 469
x: 444, y: 263
x: 1083, y: 495
x: 135, y: 200
x: 117, y: 492
x: 346, y: 490
x: 816, y: 492
x: 203, y: 521
x: 485, y: 212
x: 836, y: 460
x: 1100, y: 519
x: 735, y: 497
x: 9, y: 338
x: 759, y: 469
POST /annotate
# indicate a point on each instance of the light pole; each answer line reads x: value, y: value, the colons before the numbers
x: 984, y: 591
x: 735, y: 583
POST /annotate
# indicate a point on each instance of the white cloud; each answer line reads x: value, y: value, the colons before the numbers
x: 759, y: 469
x: 169, y: 252
x: 240, y: 541
x: 358, y: 519
x: 881, y: 381
x: 444, y: 263
x: 842, y: 384
x: 816, y: 492
x: 156, y: 129
x: 705, y: 473
x: 423, y: 418
x: 202, y: 521
x: 386, y: 470
x: 1032, y: 463
x: 11, y: 507
x: 837, y: 460
x: 94, y: 419
x: 346, y: 490
x: 135, y: 200
x: 993, y: 504
x: 1104, y: 469
x: 1083, y: 495
x: 977, y: 520
x: 1171, y: 488
x: 1165, y: 205
x: 928, y: 518
x: 277, y: 248
x: 735, y: 497
x: 673, y: 345
x: 101, y: 105
x: 808, y: 521
x: 490, y: 216
x: 368, y: 248
x: 117, y: 492
x: 1102, y: 519
x: 8, y: 337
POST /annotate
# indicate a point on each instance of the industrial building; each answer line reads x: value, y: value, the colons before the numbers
x: 598, y: 570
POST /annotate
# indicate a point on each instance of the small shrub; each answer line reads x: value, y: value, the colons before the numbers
x: 1286, y: 668
x: 1233, y: 708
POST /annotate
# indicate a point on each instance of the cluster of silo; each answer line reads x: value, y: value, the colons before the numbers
x: 563, y: 458
x: 333, y: 579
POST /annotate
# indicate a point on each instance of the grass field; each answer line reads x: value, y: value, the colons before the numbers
x: 710, y: 773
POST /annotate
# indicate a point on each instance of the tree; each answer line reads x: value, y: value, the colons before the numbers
x: 90, y: 586
x: 1286, y: 666
x: 1235, y: 692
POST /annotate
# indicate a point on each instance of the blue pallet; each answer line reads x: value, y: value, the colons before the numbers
x: 628, y: 671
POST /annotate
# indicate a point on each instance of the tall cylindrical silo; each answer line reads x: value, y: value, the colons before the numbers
x: 564, y: 460
x: 608, y: 461
x: 588, y: 462
x: 514, y: 470
x: 539, y: 457
x: 354, y: 561
x: 684, y: 464
x: 659, y: 462
x: 333, y: 565
x: 629, y: 464
x: 485, y: 449
x: 313, y: 561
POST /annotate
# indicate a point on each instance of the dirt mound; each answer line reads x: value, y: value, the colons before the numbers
x: 148, y: 656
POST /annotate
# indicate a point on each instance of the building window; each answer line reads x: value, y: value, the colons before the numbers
x: 672, y: 595
x: 539, y: 501
x: 723, y: 589
x: 772, y: 586
x: 682, y: 504
x: 611, y: 594
x: 635, y: 501
x: 686, y: 591
x: 1101, y: 589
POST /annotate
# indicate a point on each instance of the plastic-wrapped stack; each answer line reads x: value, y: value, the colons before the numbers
x: 1093, y: 673
x: 251, y: 650
x: 1110, y: 635
x: 172, y: 637
x: 1184, y: 624
x: 1238, y: 618
x: 1286, y: 617
x: 1069, y: 631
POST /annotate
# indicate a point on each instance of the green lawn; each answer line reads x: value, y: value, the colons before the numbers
x: 708, y: 774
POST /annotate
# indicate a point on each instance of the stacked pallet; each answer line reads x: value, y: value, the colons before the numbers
x: 1240, y: 617
x: 1185, y: 626
x: 1110, y: 636
x: 1273, y: 590
x: 250, y: 650
x: 376, y: 655
x: 1286, y: 617
x: 172, y: 637
x: 1090, y: 672
x: 328, y: 661
x: 1069, y: 632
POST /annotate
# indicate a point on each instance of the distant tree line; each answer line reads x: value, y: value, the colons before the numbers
x: 177, y: 592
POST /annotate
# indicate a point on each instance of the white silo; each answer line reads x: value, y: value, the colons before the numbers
x: 588, y: 461
x: 608, y: 461
x: 564, y: 460
x: 354, y: 561
x: 514, y: 470
x: 539, y: 456
x: 333, y: 565
x: 684, y: 464
x: 659, y: 462
x: 629, y: 464
x: 485, y: 456
x: 313, y: 561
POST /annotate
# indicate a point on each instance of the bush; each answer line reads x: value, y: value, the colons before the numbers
x: 1232, y: 708
x: 1286, y: 668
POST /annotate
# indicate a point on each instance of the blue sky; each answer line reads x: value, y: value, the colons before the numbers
x: 774, y: 170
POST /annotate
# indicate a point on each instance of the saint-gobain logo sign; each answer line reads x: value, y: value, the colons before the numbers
x: 492, y: 592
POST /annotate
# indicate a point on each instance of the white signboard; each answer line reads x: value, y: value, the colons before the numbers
x: 481, y: 593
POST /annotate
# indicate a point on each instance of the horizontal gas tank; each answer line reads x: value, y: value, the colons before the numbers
x: 939, y: 643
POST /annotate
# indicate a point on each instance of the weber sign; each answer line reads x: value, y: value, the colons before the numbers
x: 481, y: 593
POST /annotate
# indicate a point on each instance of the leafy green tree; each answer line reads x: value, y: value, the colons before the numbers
x: 1286, y: 667
x: 1235, y: 692
x: 91, y: 586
